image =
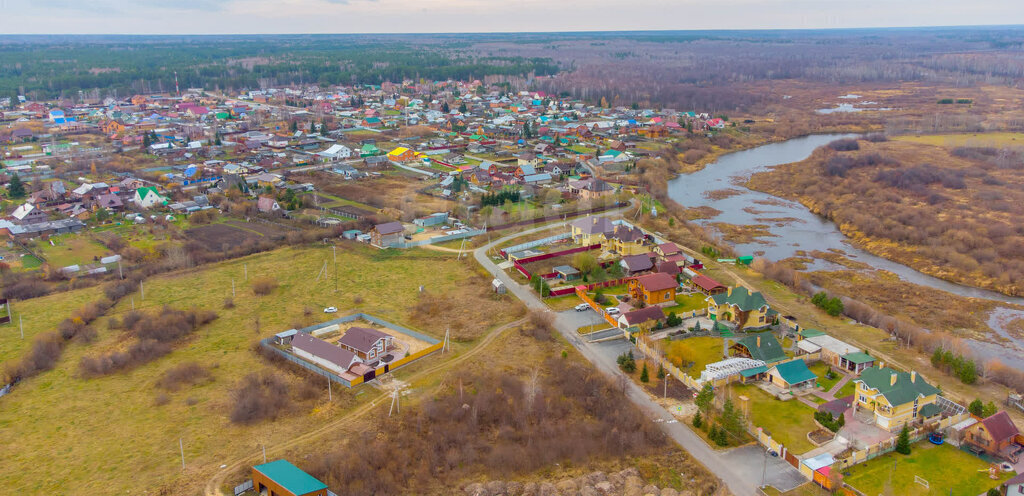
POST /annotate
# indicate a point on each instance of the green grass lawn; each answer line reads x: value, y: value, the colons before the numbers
x: 788, y: 422
x: 847, y: 390
x: 820, y: 369
x: 947, y: 469
x: 701, y: 351
x: 30, y: 262
x: 71, y: 249
x: 565, y: 302
x: 686, y: 303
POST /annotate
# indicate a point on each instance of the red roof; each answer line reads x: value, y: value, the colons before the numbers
x: 1000, y: 427
x: 706, y: 283
x: 658, y: 281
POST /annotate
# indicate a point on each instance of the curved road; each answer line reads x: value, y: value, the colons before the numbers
x: 741, y: 469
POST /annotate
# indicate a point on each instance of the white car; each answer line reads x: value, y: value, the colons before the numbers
x: 330, y: 310
x: 613, y: 311
x: 582, y: 307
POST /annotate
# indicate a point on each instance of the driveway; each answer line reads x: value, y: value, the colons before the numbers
x: 755, y: 463
x: 732, y: 467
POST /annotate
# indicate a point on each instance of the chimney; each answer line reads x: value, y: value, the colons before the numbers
x: 728, y: 292
x: 892, y: 379
x: 758, y: 340
x: 913, y: 376
x: 881, y: 365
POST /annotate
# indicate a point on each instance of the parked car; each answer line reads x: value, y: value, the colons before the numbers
x: 582, y: 307
x: 613, y: 311
x: 330, y: 310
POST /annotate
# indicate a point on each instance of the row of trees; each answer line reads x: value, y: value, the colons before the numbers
x: 499, y: 198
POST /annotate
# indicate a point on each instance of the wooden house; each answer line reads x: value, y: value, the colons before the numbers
x: 653, y: 289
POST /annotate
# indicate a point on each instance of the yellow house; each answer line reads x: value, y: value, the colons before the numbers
x: 748, y: 310
x: 591, y: 230
x: 625, y: 240
x: 895, y: 398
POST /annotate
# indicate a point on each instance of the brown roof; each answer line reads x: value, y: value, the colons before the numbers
x: 320, y: 348
x: 1000, y: 427
x: 658, y: 281
x: 669, y: 248
x: 637, y: 263
x: 643, y: 315
x: 706, y: 283
x: 669, y: 268
x: 361, y: 338
x: 390, y: 228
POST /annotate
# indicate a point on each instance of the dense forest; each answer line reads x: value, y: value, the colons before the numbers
x: 70, y: 67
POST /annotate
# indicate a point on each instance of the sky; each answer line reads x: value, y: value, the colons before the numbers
x: 432, y: 16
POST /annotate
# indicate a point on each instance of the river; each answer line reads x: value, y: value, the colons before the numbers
x: 797, y: 228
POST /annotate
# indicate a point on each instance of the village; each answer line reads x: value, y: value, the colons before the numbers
x: 446, y: 166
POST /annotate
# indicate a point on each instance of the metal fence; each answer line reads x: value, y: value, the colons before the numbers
x: 530, y: 244
x: 441, y: 239
x: 243, y: 487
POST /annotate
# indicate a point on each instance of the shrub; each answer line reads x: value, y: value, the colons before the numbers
x: 832, y: 306
x: 263, y: 286
x: 626, y: 362
x: 903, y: 441
x: 697, y: 420
x: 259, y: 397
x: 643, y: 374
x: 844, y: 145
x: 229, y: 303
x: 186, y: 374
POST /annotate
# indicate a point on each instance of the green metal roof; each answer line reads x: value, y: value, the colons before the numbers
x: 795, y: 372
x: 770, y: 351
x: 742, y: 298
x: 290, y: 477
x: 858, y: 357
x: 902, y: 391
x: 810, y: 333
x: 754, y: 371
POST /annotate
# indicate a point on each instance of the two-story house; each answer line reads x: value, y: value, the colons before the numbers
x: 653, y: 289
x: 368, y: 344
x: 895, y: 398
x: 747, y: 309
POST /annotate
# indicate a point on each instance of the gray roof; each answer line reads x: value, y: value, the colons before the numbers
x: 320, y: 348
x: 594, y: 225
x: 390, y: 228
x: 361, y: 338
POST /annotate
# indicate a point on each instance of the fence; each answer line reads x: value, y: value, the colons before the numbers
x: 441, y: 239
x: 5, y: 315
x: 436, y: 345
x: 541, y: 220
x: 546, y: 256
x: 243, y: 487
x: 530, y: 244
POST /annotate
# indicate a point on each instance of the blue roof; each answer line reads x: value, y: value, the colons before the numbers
x: 290, y: 477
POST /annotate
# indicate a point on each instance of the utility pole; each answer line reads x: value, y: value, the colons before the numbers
x: 245, y: 267
x: 330, y: 393
x: 232, y: 287
x: 182, y: 448
x: 133, y: 303
x: 21, y: 327
x: 264, y: 453
x: 142, y: 291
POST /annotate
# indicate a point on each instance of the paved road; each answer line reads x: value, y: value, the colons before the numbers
x: 740, y: 469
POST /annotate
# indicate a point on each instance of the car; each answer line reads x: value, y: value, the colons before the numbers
x: 582, y: 307
x: 330, y: 310
x: 613, y: 311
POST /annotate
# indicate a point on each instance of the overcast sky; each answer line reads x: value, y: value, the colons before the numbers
x: 409, y: 16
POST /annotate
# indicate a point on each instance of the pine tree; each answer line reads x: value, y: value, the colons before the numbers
x: 15, y: 188
x: 643, y: 374
x: 704, y: 398
x: 903, y: 441
x: 697, y: 420
x: 661, y: 372
x: 445, y: 108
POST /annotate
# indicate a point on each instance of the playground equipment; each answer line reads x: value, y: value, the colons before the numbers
x: 936, y: 438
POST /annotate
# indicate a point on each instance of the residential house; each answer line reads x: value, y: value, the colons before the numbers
x: 653, y: 289
x: 635, y: 264
x: 387, y: 235
x: 791, y: 375
x: 368, y: 344
x: 645, y: 317
x: 28, y: 213
x: 761, y: 346
x: 667, y: 250
x: 626, y: 240
x: 336, y: 152
x: 281, y: 478
x: 1014, y: 486
x: 369, y: 150
x: 401, y: 154
x: 996, y: 436
x: 834, y: 352
x: 148, y: 197
x: 895, y: 398
x: 742, y: 307
x: 333, y: 358
x: 372, y: 123
x: 590, y: 231
x: 375, y: 161
x: 109, y: 201
x: 267, y: 204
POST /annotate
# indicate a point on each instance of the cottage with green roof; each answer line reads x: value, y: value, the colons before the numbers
x: 281, y: 478
x: 792, y: 374
x: 149, y: 197
x: 742, y: 307
x: 895, y: 398
x: 763, y: 346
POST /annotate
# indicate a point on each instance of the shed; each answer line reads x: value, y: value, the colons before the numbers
x: 282, y: 478
x: 566, y: 272
x: 499, y: 287
x: 285, y: 337
x: 791, y: 374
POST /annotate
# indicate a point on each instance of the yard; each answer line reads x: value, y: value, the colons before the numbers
x: 788, y: 422
x: 143, y: 450
x: 699, y: 351
x: 947, y: 469
x: 71, y: 249
x: 847, y: 390
x: 687, y: 303
x: 820, y: 369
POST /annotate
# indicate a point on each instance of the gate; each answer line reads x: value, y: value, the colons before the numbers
x: 792, y: 460
x: 369, y: 375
